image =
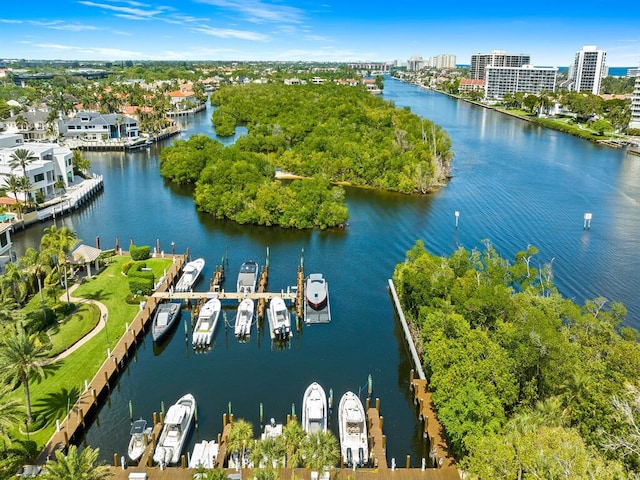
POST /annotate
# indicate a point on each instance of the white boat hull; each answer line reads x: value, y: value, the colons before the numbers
x: 244, y: 318
x: 352, y: 422
x: 279, y: 319
x: 177, y: 425
x: 314, y: 409
x: 190, y: 274
x: 206, y: 324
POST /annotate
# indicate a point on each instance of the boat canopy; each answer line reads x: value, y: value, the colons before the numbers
x: 175, y: 414
x: 138, y: 427
x: 353, y: 415
x: 163, y: 318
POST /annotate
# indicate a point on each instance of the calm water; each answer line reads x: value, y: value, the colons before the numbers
x: 514, y: 184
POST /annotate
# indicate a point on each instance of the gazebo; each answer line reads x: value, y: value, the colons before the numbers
x: 85, y: 255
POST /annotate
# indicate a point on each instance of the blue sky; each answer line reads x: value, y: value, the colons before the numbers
x: 324, y: 30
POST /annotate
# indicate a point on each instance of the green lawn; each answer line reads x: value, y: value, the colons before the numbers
x: 73, y: 328
x: 62, y: 387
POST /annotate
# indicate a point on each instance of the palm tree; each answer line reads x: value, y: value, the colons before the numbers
x: 58, y: 242
x: 25, y: 186
x: 240, y: 438
x: 268, y: 453
x: 320, y: 450
x: 21, y: 358
x: 37, y: 264
x: 12, y: 182
x: 293, y: 435
x: 14, y: 283
x: 21, y: 157
x: 10, y: 413
x: 8, y: 307
x: 74, y: 466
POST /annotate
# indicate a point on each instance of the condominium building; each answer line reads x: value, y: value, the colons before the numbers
x: 588, y: 70
x: 415, y: 63
x: 525, y: 79
x: 445, y: 60
x: 635, y: 106
x: 497, y: 58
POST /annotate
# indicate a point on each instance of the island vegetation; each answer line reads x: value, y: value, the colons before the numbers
x: 327, y: 134
x: 527, y: 384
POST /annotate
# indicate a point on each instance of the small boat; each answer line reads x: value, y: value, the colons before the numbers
x: 190, y: 274
x: 248, y: 277
x: 279, y: 319
x: 314, y: 409
x: 206, y: 324
x: 353, y: 431
x: 166, y: 315
x: 204, y: 455
x: 316, y: 291
x: 176, y: 428
x: 271, y: 430
x: 244, y: 318
x: 137, y: 444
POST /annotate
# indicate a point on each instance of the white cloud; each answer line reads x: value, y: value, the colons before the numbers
x: 9, y: 20
x: 91, y: 52
x: 231, y: 33
x: 136, y: 11
x: 318, y: 38
x: 259, y: 11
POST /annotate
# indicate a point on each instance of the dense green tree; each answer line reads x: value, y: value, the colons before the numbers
x: 320, y: 451
x: 21, y: 359
x: 240, y: 438
x: 75, y: 465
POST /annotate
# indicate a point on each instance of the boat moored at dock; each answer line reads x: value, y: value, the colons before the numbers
x: 176, y: 428
x: 190, y: 275
x: 316, y: 305
x: 244, y: 318
x: 247, y: 277
x: 352, y: 423
x: 279, y: 319
x: 204, y: 455
x: 138, y: 442
x: 166, y: 315
x: 206, y: 323
x: 314, y: 409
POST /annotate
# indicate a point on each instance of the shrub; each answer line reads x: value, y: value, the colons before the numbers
x: 635, y: 132
x: 139, y: 253
x: 126, y: 266
x: 141, y: 285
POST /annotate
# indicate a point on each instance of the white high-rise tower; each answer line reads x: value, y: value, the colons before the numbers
x: 588, y: 70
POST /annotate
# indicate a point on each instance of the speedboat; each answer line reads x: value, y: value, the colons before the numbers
x: 206, y: 324
x: 248, y: 277
x: 279, y: 319
x: 166, y: 315
x: 314, y: 409
x: 176, y: 428
x: 353, y: 431
x: 137, y: 444
x: 244, y: 318
x: 204, y: 455
x: 271, y: 430
x: 316, y: 291
x: 190, y: 274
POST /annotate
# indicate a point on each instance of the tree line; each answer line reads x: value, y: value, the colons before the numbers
x: 527, y: 384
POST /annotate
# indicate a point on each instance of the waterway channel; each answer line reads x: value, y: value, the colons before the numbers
x: 514, y: 184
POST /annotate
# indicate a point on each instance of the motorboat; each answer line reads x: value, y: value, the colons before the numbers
x: 176, y: 428
x: 166, y: 315
x: 244, y: 318
x: 190, y: 274
x: 247, y: 277
x: 314, y: 409
x: 279, y: 319
x: 352, y: 423
x: 206, y: 323
x: 204, y: 455
x: 271, y: 430
x: 138, y: 442
x: 316, y: 291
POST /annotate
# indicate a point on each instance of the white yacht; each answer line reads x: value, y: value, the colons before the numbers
x: 314, y: 409
x: 247, y: 277
x: 190, y: 274
x: 137, y: 443
x: 279, y: 319
x: 353, y: 431
x: 177, y: 424
x: 244, y: 318
x: 206, y: 323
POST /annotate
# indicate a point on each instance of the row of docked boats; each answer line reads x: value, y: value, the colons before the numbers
x: 178, y: 422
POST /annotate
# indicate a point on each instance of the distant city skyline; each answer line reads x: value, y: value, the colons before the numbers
x: 330, y: 30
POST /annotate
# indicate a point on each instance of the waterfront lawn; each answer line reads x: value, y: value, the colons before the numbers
x: 65, y: 381
x: 73, y: 328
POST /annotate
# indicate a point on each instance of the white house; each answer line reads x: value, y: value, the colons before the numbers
x: 98, y: 126
x: 49, y: 163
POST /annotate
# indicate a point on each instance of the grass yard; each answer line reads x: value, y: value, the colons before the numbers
x: 53, y: 396
x: 73, y: 328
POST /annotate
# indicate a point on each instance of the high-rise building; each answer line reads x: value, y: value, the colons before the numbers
x: 525, y: 79
x: 497, y: 58
x: 415, y: 63
x: 635, y: 106
x: 588, y: 70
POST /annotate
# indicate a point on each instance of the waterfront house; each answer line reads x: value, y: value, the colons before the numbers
x: 34, y: 125
x: 471, y: 85
x: 101, y: 127
x: 49, y: 163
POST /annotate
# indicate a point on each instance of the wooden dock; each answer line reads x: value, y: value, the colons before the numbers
x: 70, y: 429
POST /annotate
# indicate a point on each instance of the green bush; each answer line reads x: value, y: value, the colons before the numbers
x: 141, y: 285
x: 635, y: 132
x: 126, y: 266
x: 139, y: 253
